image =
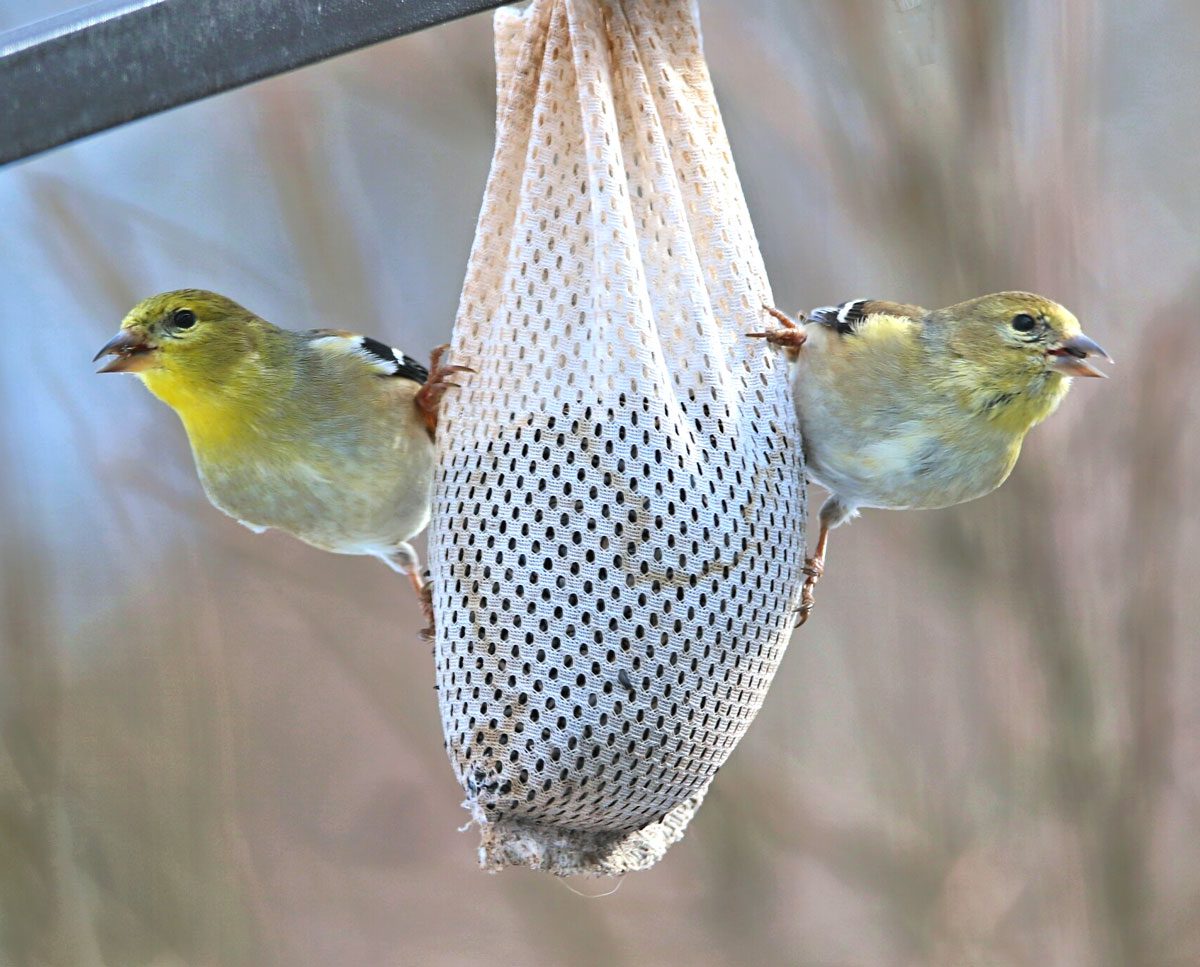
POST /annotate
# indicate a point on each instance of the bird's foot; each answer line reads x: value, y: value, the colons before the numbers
x: 403, y: 560
x: 429, y: 396
x: 813, y: 568
x: 791, y: 336
x: 424, y: 591
x: 425, y: 597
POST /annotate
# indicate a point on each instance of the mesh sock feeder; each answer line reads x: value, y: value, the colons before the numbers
x: 618, y: 525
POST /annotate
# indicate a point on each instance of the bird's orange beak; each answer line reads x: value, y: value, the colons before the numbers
x: 132, y: 350
x: 1070, y: 357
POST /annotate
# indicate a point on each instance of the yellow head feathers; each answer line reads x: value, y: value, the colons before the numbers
x: 202, y: 354
x: 187, y: 327
x: 1009, y: 353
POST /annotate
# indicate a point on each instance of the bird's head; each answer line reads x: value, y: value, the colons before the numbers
x: 183, y: 345
x: 1014, y: 352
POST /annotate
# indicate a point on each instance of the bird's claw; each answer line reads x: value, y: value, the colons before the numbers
x: 807, y: 602
x: 813, y: 568
x: 435, y: 363
x: 429, y: 396
x: 783, y: 317
x: 792, y: 336
x: 425, y: 598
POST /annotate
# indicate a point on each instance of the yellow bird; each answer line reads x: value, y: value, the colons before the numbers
x: 900, y: 407
x: 324, y: 434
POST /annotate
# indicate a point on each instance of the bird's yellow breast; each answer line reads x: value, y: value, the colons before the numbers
x: 211, y: 420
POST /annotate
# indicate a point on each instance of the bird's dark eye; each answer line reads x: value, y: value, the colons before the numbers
x: 183, y: 318
x: 1024, y: 322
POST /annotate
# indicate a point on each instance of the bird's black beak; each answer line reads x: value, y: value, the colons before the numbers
x: 132, y: 350
x: 1069, y: 357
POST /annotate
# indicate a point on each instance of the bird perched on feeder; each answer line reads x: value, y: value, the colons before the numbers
x: 901, y: 407
x: 324, y: 434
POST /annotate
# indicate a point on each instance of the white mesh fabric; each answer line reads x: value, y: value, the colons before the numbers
x: 617, y: 532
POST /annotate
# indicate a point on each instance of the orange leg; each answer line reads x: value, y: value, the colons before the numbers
x: 424, y: 591
x: 814, y: 567
x: 404, y: 560
x: 429, y: 396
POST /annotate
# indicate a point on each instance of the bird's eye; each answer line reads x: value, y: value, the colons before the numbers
x: 1024, y: 322
x: 183, y: 318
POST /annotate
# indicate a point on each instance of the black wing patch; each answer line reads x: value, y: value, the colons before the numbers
x: 403, y: 365
x: 845, y: 318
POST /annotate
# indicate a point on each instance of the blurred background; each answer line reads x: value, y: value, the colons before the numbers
x: 984, y: 749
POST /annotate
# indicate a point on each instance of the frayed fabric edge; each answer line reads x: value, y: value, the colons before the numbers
x: 573, y: 852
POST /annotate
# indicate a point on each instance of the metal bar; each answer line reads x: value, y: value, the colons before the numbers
x: 118, y: 60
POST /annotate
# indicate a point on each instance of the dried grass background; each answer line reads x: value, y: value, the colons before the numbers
x: 222, y: 749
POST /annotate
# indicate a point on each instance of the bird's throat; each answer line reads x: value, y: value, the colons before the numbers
x: 1026, y: 405
x: 212, y: 417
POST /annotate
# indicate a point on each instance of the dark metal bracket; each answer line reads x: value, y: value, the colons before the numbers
x: 114, y: 61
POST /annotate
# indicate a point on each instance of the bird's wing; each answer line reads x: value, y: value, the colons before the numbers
x: 384, y: 359
x: 849, y: 317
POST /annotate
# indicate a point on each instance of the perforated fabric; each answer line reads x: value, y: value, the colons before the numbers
x: 617, y: 533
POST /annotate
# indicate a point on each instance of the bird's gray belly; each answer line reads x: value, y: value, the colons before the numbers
x: 906, y: 470
x: 340, y: 508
